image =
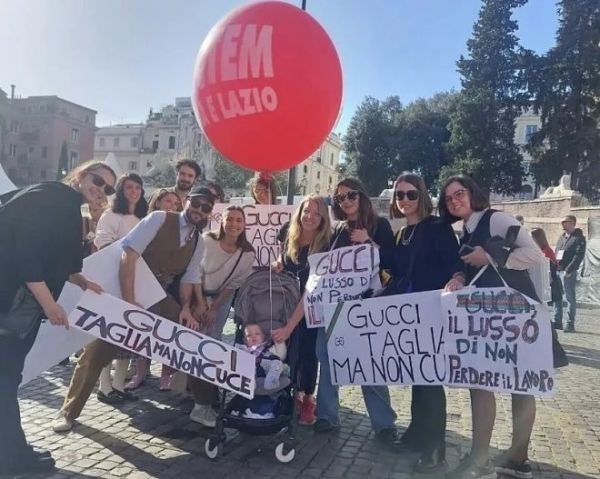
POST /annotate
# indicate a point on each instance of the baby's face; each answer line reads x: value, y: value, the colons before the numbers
x: 254, y: 335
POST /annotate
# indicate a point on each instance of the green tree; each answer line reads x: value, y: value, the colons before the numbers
x: 493, y: 78
x: 566, y: 85
x: 231, y: 175
x: 63, y: 162
x: 371, y: 142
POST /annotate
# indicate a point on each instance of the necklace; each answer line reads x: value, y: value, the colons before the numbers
x: 406, y: 241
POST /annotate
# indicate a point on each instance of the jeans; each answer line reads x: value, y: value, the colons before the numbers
x: 377, y: 398
x: 569, y: 287
x: 12, y: 358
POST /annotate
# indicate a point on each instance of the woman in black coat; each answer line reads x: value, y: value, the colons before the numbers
x: 40, y: 249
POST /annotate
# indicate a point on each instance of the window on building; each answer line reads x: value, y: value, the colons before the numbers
x: 73, y: 160
x: 318, y: 175
x: 133, y: 166
x: 133, y: 142
x: 305, y: 169
x: 330, y: 180
x: 319, y: 159
x: 101, y: 142
x: 12, y: 150
x: 171, y: 143
x: 530, y: 130
x: 87, y: 118
x: 74, y: 135
x: 331, y: 159
x: 44, y: 152
x: 14, y: 126
x: 116, y: 142
x: 148, y: 164
x: 155, y: 146
x: 43, y: 174
x: 30, y: 152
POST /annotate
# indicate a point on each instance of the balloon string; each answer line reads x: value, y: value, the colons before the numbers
x: 269, y: 266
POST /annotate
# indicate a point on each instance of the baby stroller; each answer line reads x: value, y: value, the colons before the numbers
x: 268, y: 299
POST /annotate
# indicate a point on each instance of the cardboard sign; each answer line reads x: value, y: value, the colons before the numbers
x: 175, y: 345
x: 499, y: 340
x: 53, y: 344
x: 339, y: 275
x: 388, y: 340
x: 263, y: 223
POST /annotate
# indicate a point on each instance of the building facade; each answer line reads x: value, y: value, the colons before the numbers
x: 319, y: 174
x: 34, y: 131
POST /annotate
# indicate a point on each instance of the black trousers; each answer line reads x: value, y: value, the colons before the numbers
x: 427, y: 430
x: 12, y: 358
x: 302, y: 358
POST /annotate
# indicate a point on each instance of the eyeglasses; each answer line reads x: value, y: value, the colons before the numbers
x: 411, y: 195
x: 198, y: 203
x: 457, y: 195
x: 99, y: 182
x: 351, y: 196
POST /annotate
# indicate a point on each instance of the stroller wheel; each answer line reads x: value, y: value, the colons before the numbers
x: 213, y: 448
x: 285, y: 453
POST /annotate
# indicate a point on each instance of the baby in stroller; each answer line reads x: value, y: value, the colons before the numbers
x: 271, y: 375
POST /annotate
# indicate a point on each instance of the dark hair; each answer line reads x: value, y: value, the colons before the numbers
x: 267, y: 182
x: 74, y: 176
x: 479, y: 200
x: 213, y: 185
x: 190, y: 163
x: 539, y: 236
x: 120, y: 204
x: 242, y: 241
x: 367, y: 218
x: 158, y: 195
x: 425, y: 207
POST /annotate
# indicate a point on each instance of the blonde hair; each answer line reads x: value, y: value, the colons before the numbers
x: 323, y: 236
x: 74, y: 176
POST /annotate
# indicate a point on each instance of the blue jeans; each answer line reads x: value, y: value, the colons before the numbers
x: 569, y: 287
x: 377, y: 398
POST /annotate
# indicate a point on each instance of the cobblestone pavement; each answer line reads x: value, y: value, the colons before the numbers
x: 154, y: 438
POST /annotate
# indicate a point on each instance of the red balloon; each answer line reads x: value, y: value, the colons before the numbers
x: 267, y: 86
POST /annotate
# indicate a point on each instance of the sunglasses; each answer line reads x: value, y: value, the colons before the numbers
x: 198, y: 203
x: 457, y: 195
x: 350, y: 196
x: 99, y: 182
x: 412, y: 195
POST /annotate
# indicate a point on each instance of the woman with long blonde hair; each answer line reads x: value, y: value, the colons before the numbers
x: 308, y: 232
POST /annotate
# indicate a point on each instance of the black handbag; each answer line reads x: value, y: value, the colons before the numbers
x: 23, y: 315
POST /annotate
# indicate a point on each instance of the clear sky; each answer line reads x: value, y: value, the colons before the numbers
x: 121, y: 57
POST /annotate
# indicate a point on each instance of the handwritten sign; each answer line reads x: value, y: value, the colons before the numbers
x: 339, y: 275
x: 389, y: 340
x: 154, y: 337
x: 263, y: 223
x: 499, y: 340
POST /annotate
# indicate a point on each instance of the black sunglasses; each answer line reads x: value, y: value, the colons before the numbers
x: 198, y: 203
x: 351, y: 196
x: 412, y: 195
x: 99, y: 182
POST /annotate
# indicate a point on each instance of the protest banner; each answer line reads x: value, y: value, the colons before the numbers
x: 263, y: 223
x: 387, y: 340
x: 141, y: 332
x: 499, y: 340
x: 339, y: 275
x: 53, y: 344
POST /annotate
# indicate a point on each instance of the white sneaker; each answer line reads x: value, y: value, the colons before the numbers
x: 204, y: 415
x: 61, y: 423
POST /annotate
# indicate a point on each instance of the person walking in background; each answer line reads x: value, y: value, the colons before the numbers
x: 424, y: 258
x: 570, y: 251
x: 462, y: 199
x: 40, y: 234
x: 188, y: 171
x: 308, y: 232
x: 127, y: 209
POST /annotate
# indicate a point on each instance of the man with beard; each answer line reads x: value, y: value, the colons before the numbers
x: 171, y: 245
x: 188, y: 171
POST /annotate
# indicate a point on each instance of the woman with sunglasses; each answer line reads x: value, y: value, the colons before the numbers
x: 127, y: 209
x: 462, y: 199
x: 308, y: 232
x: 424, y: 258
x: 227, y: 262
x: 40, y: 234
x: 358, y: 223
